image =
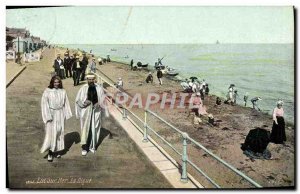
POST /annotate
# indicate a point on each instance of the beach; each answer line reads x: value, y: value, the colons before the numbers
x: 224, y: 140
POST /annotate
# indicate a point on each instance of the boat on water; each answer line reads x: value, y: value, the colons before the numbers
x: 139, y: 64
x: 217, y: 42
x: 172, y: 72
x: 113, y: 49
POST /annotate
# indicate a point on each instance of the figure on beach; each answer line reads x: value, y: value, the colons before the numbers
x: 131, y: 64
x: 235, y: 95
x: 254, y: 102
x: 198, y: 109
x: 90, y: 107
x: 84, y: 63
x: 77, y: 66
x: 230, y: 94
x: 218, y: 101
x: 58, y: 63
x: 55, y: 110
x: 245, y: 99
x: 149, y: 78
x: 278, y: 130
x: 108, y: 59
x: 159, y: 75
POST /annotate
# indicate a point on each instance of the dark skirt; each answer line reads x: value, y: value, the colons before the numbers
x: 278, y: 131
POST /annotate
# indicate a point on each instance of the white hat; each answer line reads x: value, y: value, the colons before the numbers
x: 198, y: 93
x: 90, y: 76
x: 119, y: 78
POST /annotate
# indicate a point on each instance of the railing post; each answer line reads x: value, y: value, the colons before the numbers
x: 145, y: 138
x: 124, y: 114
x: 184, y: 159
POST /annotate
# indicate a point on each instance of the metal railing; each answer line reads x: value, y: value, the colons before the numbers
x: 185, y: 138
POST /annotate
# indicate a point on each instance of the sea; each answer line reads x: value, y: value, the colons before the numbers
x: 259, y: 70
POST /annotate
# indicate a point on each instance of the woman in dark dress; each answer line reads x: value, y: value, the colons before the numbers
x: 278, y: 130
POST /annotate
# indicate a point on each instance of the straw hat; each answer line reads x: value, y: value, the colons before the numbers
x: 280, y: 102
x: 77, y: 57
x: 198, y: 93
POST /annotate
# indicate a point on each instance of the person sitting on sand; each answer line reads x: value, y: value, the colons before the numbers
x: 254, y: 102
x: 185, y: 86
x: 149, y: 78
x: 211, y: 120
x: 218, y: 101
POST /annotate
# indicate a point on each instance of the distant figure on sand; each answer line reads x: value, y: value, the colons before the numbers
x: 246, y: 98
x: 218, y: 101
x: 90, y: 107
x: 235, y: 95
x: 55, y: 110
x: 206, y: 89
x: 108, y: 59
x: 199, y: 104
x: 131, y: 64
x: 149, y: 78
x: 159, y: 75
x: 278, y: 130
x: 254, y: 102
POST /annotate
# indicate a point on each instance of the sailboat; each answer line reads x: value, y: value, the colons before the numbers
x: 217, y: 42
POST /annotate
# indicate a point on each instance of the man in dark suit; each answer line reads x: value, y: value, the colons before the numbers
x: 68, y: 65
x: 84, y: 62
x: 77, y: 67
x: 58, y: 62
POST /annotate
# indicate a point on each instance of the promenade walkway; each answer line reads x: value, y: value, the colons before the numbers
x: 118, y: 163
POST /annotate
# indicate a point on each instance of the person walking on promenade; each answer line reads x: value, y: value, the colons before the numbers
x: 57, y: 63
x: 55, y: 110
x: 159, y: 76
x: 254, y: 102
x: 90, y: 107
x: 93, y: 66
x: 85, y: 63
x: 131, y: 64
x: 77, y: 66
x: 68, y: 65
x: 278, y: 130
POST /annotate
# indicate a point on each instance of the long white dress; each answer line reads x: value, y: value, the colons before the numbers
x: 55, y: 106
x: 90, y: 117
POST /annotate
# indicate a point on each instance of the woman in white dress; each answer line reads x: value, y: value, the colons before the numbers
x: 55, y: 110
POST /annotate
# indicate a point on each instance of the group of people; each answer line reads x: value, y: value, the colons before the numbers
x: 72, y: 66
x: 90, y: 106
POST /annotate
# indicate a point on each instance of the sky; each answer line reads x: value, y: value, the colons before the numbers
x: 157, y: 25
